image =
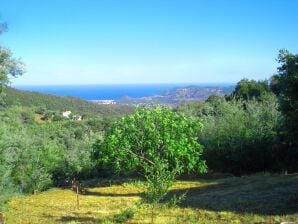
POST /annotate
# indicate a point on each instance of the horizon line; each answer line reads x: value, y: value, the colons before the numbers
x: 123, y: 84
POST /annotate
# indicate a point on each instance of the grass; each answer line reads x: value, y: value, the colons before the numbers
x: 251, y: 199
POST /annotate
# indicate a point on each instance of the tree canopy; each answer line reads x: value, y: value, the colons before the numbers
x: 9, y: 66
x: 249, y: 89
x: 285, y: 85
x: 152, y: 135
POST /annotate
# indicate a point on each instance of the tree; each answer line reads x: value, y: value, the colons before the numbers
x: 9, y: 66
x: 154, y: 134
x: 242, y: 140
x: 248, y: 89
x: 159, y: 144
x: 154, y: 142
x: 285, y: 85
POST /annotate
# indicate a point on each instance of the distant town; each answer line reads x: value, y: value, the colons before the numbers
x: 104, y: 102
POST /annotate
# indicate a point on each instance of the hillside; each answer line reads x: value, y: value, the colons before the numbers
x: 252, y: 199
x: 180, y: 95
x: 198, y: 92
x: 59, y: 103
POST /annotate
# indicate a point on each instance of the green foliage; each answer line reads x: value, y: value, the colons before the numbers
x: 285, y: 85
x: 176, y: 200
x: 124, y: 216
x: 9, y: 66
x: 46, y: 102
x: 159, y: 144
x: 248, y: 133
x: 158, y: 181
x: 151, y: 135
x: 27, y: 117
x: 249, y: 89
x: 193, y: 109
x: 36, y: 156
x: 241, y: 136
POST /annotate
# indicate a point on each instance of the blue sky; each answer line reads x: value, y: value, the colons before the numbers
x: 148, y: 41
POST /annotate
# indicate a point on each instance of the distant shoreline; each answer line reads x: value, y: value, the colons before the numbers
x: 204, y: 84
x: 114, y: 92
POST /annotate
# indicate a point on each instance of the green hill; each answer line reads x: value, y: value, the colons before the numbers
x: 59, y: 103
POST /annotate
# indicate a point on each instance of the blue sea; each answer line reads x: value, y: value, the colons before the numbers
x: 108, y: 92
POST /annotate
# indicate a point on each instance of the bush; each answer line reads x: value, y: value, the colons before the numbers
x: 242, y: 136
x: 36, y: 156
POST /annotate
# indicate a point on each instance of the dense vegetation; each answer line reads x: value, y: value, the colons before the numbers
x: 58, y: 103
x: 34, y: 156
x: 240, y: 136
x: 285, y: 85
x: 254, y: 129
x: 250, y: 89
x: 249, y: 131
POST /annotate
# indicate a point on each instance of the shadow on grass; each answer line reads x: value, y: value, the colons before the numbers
x: 78, y: 219
x: 106, y: 182
x: 260, y: 194
x: 100, y: 194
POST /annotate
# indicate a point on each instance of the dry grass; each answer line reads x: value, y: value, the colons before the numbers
x: 38, y: 119
x: 254, y: 199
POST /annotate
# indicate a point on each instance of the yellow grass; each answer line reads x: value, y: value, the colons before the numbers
x: 38, y: 119
x: 255, y: 199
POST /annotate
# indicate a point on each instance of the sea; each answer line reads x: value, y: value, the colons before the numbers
x: 110, y: 92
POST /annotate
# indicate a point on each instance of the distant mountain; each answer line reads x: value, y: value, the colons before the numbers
x: 179, y: 95
x: 123, y: 106
x: 60, y: 103
x: 197, y: 92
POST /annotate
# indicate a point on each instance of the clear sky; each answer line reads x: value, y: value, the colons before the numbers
x: 148, y: 41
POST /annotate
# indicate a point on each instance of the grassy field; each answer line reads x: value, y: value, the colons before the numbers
x: 251, y: 199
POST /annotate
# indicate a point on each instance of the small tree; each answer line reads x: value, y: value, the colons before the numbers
x: 158, y: 143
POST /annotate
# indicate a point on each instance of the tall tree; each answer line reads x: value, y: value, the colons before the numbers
x: 9, y: 66
x: 285, y: 85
